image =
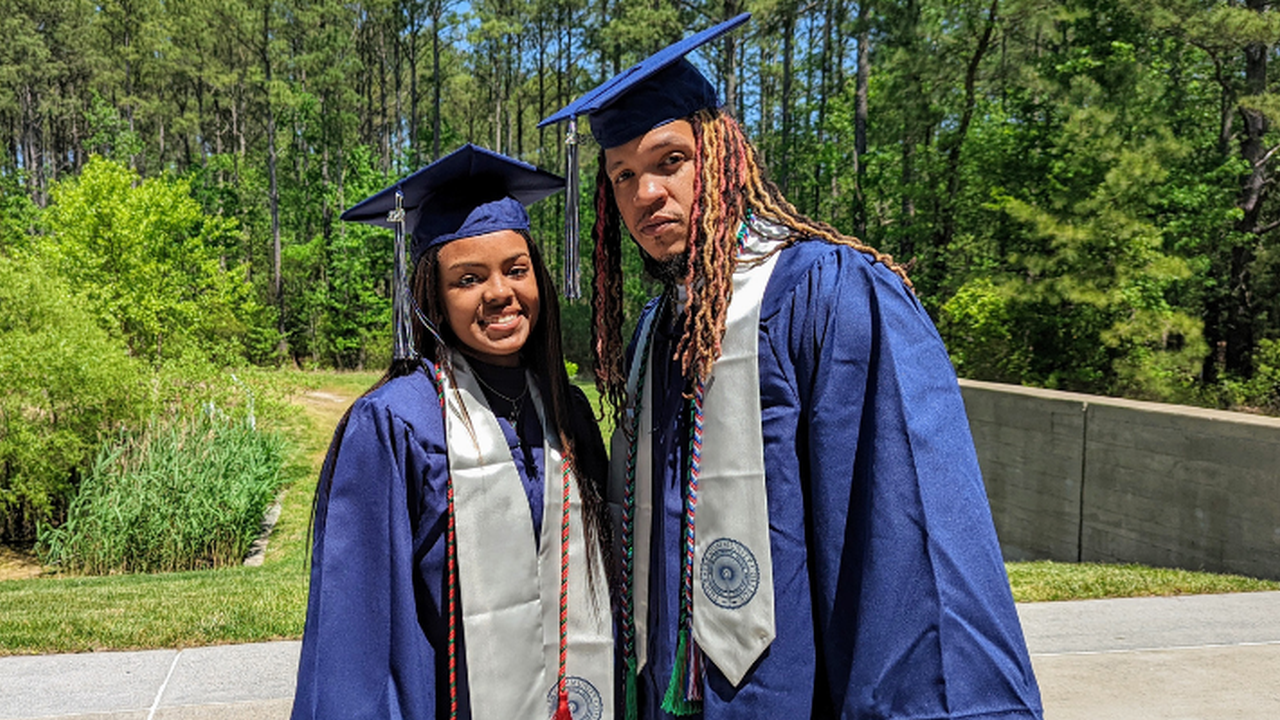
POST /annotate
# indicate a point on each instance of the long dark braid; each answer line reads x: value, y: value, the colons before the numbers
x: 606, y: 296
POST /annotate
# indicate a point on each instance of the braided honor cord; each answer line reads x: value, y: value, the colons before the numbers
x: 451, y: 565
x: 626, y: 608
x: 562, y: 694
x: 684, y: 691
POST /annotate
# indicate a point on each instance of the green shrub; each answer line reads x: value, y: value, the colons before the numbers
x: 1259, y: 393
x: 182, y: 494
x: 154, y: 267
x: 978, y: 324
x: 63, y: 380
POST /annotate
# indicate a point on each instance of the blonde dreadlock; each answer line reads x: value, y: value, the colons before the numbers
x: 729, y: 181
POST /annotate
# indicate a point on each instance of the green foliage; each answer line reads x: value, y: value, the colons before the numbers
x: 978, y: 324
x: 109, y: 134
x: 147, y: 259
x: 1091, y: 162
x: 1260, y: 393
x: 575, y: 331
x: 65, y: 380
x: 1103, y: 267
x: 185, y: 493
x: 18, y: 216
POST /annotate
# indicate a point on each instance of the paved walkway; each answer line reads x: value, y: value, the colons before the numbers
x: 1206, y: 657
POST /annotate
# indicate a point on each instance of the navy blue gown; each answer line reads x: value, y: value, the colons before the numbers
x: 375, y: 644
x: 890, y: 592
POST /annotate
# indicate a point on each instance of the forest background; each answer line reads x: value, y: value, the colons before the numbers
x: 1081, y: 190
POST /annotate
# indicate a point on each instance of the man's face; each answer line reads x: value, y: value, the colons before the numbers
x: 653, y: 178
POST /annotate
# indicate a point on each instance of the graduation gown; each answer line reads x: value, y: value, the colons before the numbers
x: 375, y: 644
x: 891, y: 598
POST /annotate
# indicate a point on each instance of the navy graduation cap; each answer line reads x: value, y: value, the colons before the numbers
x: 471, y: 191
x: 663, y: 87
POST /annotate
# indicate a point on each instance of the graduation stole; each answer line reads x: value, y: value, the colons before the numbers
x: 516, y: 633
x: 726, y: 563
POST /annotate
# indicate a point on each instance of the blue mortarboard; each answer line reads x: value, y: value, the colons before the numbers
x: 471, y: 191
x: 663, y: 87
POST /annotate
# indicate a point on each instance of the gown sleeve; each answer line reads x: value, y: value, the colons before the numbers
x: 912, y: 611
x: 374, y: 632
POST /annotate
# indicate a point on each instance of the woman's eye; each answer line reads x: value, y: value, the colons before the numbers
x: 674, y: 159
x: 467, y: 280
x: 518, y: 271
x: 621, y: 177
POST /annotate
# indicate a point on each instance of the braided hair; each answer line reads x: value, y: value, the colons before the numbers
x: 729, y: 181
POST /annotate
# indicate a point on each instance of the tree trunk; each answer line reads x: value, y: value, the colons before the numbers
x: 788, y: 52
x: 437, y: 9
x: 414, y: 156
x: 955, y: 144
x: 863, y: 60
x: 273, y: 194
x: 1239, y: 320
x: 731, y: 9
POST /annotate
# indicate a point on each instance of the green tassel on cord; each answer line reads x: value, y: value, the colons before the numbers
x: 675, y: 702
x: 631, y: 708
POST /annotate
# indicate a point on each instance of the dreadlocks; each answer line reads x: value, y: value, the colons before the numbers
x: 729, y: 181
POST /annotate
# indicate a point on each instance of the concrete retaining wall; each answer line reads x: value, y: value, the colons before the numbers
x: 1076, y: 477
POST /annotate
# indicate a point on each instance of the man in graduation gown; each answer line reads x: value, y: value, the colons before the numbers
x: 805, y: 531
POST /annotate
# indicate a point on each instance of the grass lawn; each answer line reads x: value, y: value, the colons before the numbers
x: 245, y: 604
x: 50, y: 614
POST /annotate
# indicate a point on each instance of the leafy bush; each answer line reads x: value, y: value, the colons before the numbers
x: 152, y: 266
x: 1260, y: 393
x: 63, y: 380
x: 182, y: 494
x: 977, y: 324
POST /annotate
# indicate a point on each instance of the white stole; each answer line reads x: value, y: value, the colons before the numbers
x: 510, y: 592
x: 733, y: 612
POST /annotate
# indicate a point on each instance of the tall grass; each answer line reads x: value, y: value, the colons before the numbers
x: 184, y: 494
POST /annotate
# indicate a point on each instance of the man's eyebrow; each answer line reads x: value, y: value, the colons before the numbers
x: 663, y: 143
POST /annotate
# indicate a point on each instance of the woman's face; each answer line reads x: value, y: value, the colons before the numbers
x: 490, y: 294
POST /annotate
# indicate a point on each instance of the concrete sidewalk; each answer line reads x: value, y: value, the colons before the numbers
x: 1204, y: 657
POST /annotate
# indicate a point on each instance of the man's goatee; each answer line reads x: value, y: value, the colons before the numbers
x: 669, y: 271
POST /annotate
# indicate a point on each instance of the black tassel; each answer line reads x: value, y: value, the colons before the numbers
x: 400, y: 301
x: 572, y: 272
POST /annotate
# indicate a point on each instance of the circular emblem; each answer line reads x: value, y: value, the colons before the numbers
x: 584, y: 699
x: 730, y: 574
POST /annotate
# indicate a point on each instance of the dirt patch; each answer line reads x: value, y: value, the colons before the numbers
x: 321, y: 395
x: 18, y: 564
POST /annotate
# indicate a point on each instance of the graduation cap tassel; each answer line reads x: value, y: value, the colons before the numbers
x: 676, y: 701
x: 693, y: 679
x: 400, y: 303
x: 631, y: 707
x: 572, y: 288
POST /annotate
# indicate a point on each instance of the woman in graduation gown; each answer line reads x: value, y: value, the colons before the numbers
x: 458, y: 562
